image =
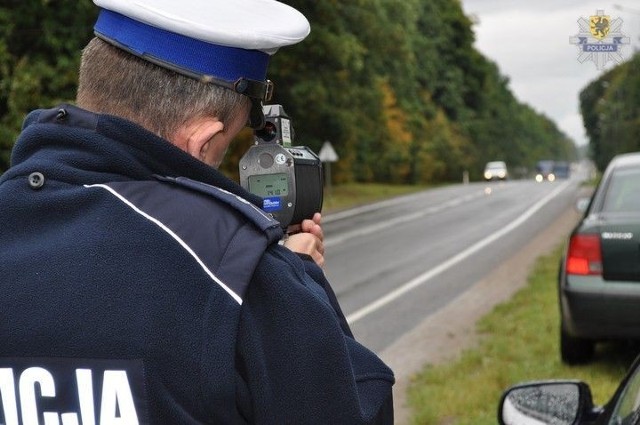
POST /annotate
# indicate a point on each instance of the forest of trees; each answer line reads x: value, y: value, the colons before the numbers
x: 610, y: 108
x: 396, y: 86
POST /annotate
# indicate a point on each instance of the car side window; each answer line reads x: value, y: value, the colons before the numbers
x: 627, y: 409
x: 624, y: 192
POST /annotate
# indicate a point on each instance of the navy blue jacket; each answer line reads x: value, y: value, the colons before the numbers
x: 140, y: 285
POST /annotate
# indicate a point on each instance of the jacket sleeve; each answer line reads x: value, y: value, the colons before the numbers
x: 297, y: 362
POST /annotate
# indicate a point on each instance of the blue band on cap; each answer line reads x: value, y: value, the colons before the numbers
x: 194, y: 57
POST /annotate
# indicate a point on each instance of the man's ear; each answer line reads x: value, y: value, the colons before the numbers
x: 195, y: 136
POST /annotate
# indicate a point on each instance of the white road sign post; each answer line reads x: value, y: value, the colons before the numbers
x: 328, y: 155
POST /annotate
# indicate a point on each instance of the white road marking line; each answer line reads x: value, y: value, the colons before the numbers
x: 429, y: 274
x: 367, y: 230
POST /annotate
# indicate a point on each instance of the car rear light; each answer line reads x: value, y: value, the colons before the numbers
x: 584, y: 256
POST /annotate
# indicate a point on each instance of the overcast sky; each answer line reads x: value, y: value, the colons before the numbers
x: 529, y: 40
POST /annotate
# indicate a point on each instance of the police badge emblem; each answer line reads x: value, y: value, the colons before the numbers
x: 599, y: 26
x: 600, y: 39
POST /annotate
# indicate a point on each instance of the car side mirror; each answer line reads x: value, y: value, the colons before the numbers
x: 546, y: 402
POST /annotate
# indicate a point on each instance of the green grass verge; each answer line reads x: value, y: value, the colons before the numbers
x: 519, y: 342
x: 354, y: 194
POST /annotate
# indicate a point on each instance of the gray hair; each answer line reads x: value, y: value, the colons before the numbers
x: 115, y: 82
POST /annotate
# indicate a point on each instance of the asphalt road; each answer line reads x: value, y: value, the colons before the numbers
x: 407, y: 271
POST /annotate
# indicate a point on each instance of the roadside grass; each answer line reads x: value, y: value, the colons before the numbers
x: 519, y: 341
x: 351, y: 195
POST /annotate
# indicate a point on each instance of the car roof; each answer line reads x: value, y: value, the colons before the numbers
x: 625, y: 160
x: 617, y: 165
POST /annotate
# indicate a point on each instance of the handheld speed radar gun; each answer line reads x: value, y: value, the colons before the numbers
x: 287, y: 178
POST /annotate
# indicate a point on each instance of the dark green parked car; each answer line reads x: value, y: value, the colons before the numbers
x: 599, y: 277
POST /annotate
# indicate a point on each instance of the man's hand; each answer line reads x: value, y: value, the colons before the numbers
x: 307, y: 238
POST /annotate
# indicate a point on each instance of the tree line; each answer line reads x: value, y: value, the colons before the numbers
x: 610, y: 108
x: 396, y: 86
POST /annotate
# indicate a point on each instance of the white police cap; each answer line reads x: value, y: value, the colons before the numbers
x: 224, y: 42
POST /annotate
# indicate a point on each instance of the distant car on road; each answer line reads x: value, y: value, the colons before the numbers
x: 561, y: 169
x: 599, y: 275
x: 544, y: 171
x: 569, y: 402
x: 496, y: 170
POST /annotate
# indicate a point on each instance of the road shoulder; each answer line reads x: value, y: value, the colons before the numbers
x: 445, y: 334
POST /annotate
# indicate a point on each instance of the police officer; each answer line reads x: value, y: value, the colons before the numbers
x: 138, y: 284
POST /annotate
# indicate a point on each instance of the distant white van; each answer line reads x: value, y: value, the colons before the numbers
x: 496, y: 170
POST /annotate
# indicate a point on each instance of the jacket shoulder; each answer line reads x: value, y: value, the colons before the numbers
x: 224, y: 233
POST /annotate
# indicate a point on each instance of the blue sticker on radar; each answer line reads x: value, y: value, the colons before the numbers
x: 271, y: 204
